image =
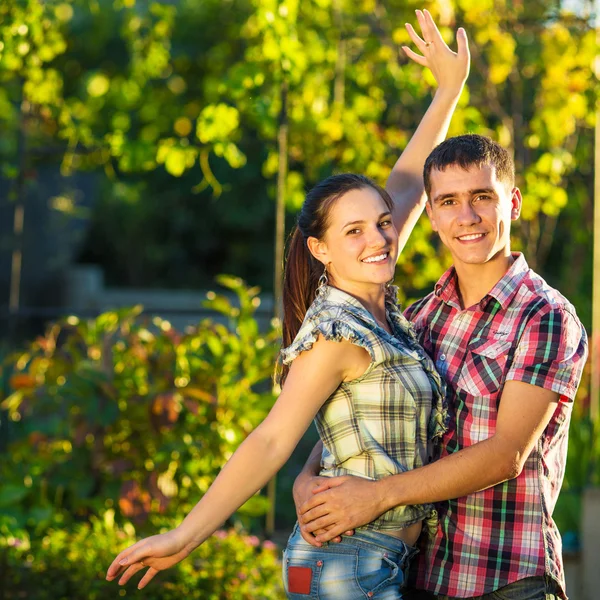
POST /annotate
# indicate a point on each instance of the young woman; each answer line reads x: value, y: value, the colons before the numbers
x: 350, y: 360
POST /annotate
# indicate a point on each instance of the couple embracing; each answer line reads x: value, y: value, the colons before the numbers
x: 442, y: 428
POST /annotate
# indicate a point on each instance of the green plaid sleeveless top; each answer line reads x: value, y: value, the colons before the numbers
x: 388, y: 420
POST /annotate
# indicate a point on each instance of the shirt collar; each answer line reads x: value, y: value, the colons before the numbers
x: 337, y: 296
x: 446, y: 289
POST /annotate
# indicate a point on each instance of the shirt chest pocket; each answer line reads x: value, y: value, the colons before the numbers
x: 484, y: 368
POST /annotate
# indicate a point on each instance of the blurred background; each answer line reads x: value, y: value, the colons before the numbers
x: 153, y: 157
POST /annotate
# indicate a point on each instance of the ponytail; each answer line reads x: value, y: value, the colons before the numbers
x: 301, y: 276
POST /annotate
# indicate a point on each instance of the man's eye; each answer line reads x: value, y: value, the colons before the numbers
x: 483, y: 197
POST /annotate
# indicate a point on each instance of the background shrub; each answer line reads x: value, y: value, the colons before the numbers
x: 71, y: 565
x: 118, y: 426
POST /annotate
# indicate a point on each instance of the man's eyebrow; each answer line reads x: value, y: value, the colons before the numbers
x: 472, y: 192
x: 385, y: 214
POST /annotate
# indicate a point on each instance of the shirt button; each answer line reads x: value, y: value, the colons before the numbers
x: 442, y: 357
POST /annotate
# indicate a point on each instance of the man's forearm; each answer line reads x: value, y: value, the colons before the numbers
x: 313, y: 463
x: 518, y: 429
x: 471, y: 470
x: 310, y: 469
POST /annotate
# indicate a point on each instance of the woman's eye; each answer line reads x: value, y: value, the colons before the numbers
x: 353, y: 231
x: 385, y: 223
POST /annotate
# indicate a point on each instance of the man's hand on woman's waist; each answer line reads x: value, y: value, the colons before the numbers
x: 340, y: 505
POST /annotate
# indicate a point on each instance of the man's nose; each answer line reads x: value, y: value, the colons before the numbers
x: 468, y: 215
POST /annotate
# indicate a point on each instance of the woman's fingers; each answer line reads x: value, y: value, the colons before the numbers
x: 425, y: 21
x: 421, y: 60
x: 129, y: 557
x: 147, y: 578
x: 430, y: 30
x: 118, y: 565
x: 414, y: 36
x: 463, y: 43
x: 130, y: 572
x: 136, y: 556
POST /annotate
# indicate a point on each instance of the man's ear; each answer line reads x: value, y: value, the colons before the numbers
x: 516, y: 200
x: 318, y: 249
x: 429, y: 210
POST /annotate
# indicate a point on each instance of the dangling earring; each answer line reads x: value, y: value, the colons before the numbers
x: 322, y: 284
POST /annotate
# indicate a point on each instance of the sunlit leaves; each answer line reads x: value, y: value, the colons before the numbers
x: 43, y: 87
x: 160, y: 96
x: 566, y: 96
x: 231, y: 153
x: 176, y: 157
x: 217, y: 122
x: 98, y: 85
x: 30, y: 35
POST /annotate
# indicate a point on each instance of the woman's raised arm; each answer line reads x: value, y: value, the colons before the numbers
x: 450, y: 69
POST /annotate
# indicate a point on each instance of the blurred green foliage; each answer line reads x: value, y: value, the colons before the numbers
x: 178, y: 104
x: 71, y: 563
x: 117, y: 413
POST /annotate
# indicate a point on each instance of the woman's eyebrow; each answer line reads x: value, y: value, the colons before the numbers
x: 385, y: 214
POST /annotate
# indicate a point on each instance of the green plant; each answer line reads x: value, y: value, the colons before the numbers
x: 118, y: 412
x: 71, y: 564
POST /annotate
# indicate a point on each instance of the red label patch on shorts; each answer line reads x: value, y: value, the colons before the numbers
x: 299, y: 580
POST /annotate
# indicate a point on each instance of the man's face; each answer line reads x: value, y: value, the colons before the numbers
x: 471, y: 211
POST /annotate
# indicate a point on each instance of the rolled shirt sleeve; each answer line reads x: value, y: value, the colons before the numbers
x: 551, y: 352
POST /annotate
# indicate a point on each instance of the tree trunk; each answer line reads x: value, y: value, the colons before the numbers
x: 595, y: 345
x: 282, y: 145
x: 18, y: 196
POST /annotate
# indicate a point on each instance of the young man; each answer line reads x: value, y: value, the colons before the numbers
x: 511, y: 350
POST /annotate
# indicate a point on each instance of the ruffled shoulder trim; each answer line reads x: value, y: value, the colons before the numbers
x: 331, y: 329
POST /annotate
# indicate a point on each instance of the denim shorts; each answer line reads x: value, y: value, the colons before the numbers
x: 365, y: 565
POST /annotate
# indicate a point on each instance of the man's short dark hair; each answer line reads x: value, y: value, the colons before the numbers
x: 470, y: 150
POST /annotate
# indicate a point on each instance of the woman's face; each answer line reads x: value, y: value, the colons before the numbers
x: 360, y: 246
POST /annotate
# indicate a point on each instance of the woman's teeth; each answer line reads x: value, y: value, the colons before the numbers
x: 378, y: 258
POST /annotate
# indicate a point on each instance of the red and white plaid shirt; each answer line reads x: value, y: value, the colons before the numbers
x: 523, y: 330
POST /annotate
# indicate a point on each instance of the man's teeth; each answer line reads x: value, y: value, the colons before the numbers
x: 473, y: 236
x: 378, y: 258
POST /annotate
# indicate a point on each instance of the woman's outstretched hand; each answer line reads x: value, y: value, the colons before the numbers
x: 449, y: 68
x: 155, y: 553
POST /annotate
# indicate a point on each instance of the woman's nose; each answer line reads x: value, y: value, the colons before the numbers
x: 376, y: 238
